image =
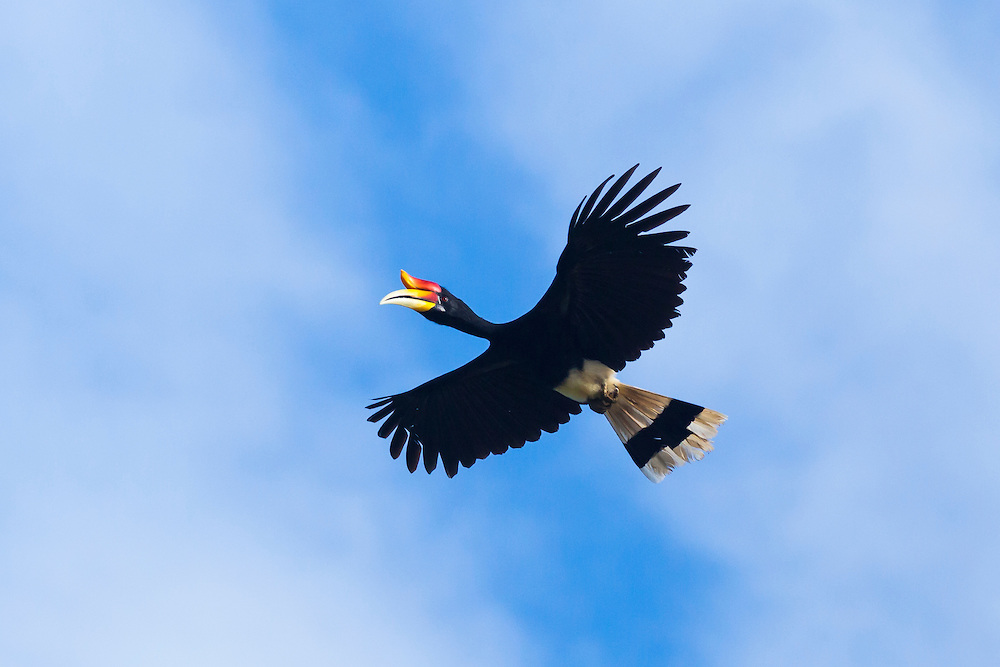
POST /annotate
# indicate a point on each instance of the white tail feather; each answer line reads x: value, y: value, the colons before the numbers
x: 635, y: 409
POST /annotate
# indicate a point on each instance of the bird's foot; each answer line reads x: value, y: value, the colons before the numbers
x: 601, y: 403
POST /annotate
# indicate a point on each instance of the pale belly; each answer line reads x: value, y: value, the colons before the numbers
x: 586, y: 384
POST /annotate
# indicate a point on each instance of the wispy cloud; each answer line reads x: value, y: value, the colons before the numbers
x: 841, y: 159
x: 158, y: 282
x: 189, y: 323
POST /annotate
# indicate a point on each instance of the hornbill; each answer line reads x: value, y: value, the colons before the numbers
x: 616, y: 289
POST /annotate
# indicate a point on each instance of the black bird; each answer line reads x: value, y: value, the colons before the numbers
x: 616, y: 289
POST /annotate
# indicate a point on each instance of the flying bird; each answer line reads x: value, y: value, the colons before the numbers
x: 617, y: 287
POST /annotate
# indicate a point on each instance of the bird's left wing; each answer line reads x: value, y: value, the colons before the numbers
x: 617, y: 286
x: 484, y: 407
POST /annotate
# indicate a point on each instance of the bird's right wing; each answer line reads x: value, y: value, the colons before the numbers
x: 484, y: 407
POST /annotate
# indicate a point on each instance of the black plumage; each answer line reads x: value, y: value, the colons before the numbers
x: 616, y: 288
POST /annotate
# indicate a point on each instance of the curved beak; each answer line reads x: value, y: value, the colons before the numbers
x: 420, y: 295
x: 417, y: 299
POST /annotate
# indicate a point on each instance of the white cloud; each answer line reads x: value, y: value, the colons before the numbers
x: 842, y: 165
x: 164, y: 488
x: 153, y: 276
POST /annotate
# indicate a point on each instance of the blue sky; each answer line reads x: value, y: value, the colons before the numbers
x: 202, y: 203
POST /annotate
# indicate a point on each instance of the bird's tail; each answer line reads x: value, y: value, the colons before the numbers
x: 661, y: 433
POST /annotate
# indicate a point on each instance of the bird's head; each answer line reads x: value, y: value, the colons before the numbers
x: 427, y: 298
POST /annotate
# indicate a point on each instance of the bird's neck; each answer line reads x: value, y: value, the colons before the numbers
x: 474, y: 325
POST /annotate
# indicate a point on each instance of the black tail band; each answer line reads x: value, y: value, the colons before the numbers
x: 669, y: 429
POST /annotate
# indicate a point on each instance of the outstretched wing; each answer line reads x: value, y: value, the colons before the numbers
x: 484, y: 407
x: 617, y: 287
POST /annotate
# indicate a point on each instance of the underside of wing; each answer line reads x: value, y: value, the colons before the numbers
x: 485, y: 407
x: 617, y: 286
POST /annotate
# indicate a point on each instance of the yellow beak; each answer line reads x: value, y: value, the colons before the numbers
x: 418, y: 299
x: 420, y: 295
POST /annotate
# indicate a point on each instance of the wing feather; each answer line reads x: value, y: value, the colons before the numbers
x: 398, y: 440
x: 613, y: 191
x: 627, y: 198
x: 617, y: 287
x: 593, y: 199
x: 485, y: 407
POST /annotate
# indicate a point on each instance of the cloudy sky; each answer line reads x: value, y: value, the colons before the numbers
x: 202, y: 202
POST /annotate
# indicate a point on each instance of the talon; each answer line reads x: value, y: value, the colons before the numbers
x: 601, y: 404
